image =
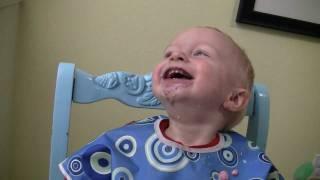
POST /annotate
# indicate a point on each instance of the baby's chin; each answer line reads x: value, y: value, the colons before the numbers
x: 173, y: 94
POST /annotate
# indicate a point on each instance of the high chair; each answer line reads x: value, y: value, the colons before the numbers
x: 76, y: 86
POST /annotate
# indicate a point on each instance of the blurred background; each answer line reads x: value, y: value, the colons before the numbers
x: 109, y: 35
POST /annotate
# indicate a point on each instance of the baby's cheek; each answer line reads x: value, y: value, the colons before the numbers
x: 154, y: 89
x: 156, y: 80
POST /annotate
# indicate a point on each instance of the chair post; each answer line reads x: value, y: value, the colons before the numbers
x: 258, y: 124
x: 61, y: 117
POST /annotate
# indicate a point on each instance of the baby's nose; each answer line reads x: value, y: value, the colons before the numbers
x: 178, y: 56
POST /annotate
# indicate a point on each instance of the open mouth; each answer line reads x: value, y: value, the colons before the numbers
x: 177, y: 73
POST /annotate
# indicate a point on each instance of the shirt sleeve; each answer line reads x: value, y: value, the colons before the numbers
x: 93, y: 161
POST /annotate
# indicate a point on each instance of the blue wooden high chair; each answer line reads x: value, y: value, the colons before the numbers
x: 76, y: 86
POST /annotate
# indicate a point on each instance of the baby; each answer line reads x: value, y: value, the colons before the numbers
x: 204, y: 83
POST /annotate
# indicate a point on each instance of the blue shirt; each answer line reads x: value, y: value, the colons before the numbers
x: 139, y: 151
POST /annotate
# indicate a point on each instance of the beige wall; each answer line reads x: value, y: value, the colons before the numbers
x: 8, y: 29
x: 102, y: 36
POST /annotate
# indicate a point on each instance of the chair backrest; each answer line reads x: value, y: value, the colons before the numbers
x: 76, y: 86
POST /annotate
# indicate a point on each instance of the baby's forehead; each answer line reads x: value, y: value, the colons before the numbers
x: 209, y: 36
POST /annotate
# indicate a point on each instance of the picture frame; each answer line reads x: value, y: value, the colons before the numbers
x: 302, y: 21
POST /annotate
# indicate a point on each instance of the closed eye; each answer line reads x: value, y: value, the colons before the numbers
x: 167, y: 54
x: 200, y: 52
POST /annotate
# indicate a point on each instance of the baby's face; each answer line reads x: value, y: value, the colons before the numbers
x: 195, y: 69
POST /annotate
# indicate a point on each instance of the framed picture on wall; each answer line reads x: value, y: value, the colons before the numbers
x: 297, y: 16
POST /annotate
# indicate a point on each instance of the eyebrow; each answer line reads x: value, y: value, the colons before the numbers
x: 170, y: 45
x: 201, y: 46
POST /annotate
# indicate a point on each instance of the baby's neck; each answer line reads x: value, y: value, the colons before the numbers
x: 192, y: 133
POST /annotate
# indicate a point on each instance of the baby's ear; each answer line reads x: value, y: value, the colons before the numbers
x: 237, y: 100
